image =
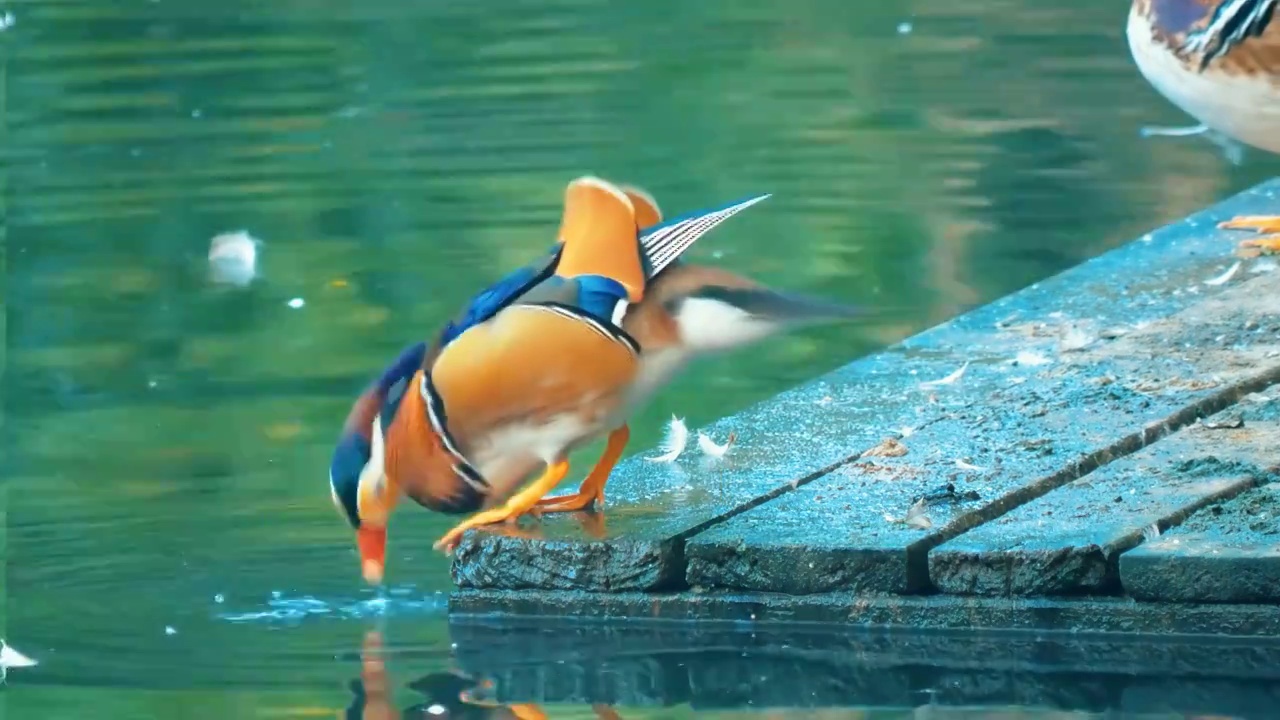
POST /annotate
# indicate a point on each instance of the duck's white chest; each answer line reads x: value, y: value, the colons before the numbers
x: 509, y: 454
x: 1242, y: 105
x: 512, y: 453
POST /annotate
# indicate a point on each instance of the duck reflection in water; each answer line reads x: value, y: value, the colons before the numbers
x: 446, y: 695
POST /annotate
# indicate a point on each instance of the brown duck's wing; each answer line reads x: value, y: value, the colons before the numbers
x: 1212, y: 29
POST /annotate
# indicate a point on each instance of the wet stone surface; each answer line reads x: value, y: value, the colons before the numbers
x: 966, y: 422
x: 1230, y: 554
x: 616, y: 563
x: 1001, y: 436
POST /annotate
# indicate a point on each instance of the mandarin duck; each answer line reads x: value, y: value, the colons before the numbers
x: 551, y: 357
x: 1219, y: 61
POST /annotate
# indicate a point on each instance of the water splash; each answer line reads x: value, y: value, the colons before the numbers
x: 293, y: 609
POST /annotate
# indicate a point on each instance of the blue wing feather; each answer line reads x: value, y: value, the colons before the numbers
x: 497, y: 296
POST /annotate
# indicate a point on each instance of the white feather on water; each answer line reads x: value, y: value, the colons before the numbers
x: 10, y: 658
x: 233, y: 258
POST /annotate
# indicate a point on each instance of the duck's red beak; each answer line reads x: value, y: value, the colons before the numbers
x: 372, y: 543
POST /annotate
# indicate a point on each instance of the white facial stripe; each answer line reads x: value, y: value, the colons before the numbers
x: 619, y: 312
x: 371, y: 500
x: 709, y: 325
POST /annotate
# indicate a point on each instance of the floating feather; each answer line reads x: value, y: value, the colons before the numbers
x: 233, y: 258
x: 10, y: 658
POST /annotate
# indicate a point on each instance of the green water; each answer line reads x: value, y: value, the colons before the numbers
x: 166, y: 441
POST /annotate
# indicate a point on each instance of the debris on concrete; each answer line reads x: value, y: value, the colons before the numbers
x: 889, y: 447
x: 915, y: 517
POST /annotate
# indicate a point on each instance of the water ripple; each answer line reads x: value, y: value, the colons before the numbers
x: 398, y: 601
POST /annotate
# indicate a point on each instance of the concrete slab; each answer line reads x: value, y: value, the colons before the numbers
x: 639, y: 664
x: 1001, y: 437
x: 1069, y: 541
x: 612, y: 553
x: 1123, y: 372
x: 1230, y: 554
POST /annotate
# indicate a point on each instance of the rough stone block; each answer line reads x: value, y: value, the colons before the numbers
x: 1069, y: 541
x: 1004, y: 435
x: 1229, y: 553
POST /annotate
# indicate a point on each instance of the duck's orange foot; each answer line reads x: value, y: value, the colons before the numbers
x: 449, y: 542
x: 1257, y: 223
x: 519, y: 504
x: 1267, y: 224
x: 592, y: 491
x: 1269, y: 244
x: 582, y: 500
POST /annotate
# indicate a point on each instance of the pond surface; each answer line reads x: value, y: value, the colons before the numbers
x: 171, y: 547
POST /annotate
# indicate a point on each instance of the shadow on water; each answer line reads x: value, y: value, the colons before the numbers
x: 170, y: 547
